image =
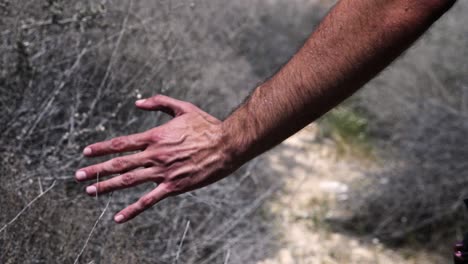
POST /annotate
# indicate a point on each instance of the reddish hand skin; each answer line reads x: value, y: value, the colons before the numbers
x: 355, y: 41
x: 184, y: 154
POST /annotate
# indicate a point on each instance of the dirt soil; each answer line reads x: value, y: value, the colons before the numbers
x: 317, y: 179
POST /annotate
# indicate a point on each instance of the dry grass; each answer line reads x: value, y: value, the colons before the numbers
x: 418, y: 111
x: 69, y: 74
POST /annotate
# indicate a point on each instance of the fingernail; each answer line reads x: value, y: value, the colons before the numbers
x: 87, y: 151
x: 141, y: 101
x: 119, y: 218
x: 80, y: 175
x: 91, y: 190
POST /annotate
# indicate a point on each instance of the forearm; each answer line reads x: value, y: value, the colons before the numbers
x: 355, y: 41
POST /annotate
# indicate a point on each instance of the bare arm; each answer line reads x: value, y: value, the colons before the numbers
x: 355, y: 41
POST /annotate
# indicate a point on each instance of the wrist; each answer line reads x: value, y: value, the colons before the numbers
x: 237, y: 140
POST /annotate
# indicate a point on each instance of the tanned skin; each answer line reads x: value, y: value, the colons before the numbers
x: 354, y: 42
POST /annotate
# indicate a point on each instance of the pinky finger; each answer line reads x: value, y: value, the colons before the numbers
x: 145, y: 202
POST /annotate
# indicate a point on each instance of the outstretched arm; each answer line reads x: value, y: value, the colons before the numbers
x: 355, y: 41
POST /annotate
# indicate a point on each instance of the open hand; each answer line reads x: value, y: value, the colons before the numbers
x: 184, y: 154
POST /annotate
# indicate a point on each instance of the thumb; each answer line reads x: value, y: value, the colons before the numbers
x: 165, y: 104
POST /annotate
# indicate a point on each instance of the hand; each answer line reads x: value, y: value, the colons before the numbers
x: 184, y: 154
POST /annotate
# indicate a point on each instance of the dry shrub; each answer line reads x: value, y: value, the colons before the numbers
x: 418, y: 113
x: 69, y: 74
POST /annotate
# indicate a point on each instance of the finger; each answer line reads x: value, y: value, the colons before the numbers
x: 113, y: 166
x: 165, y: 104
x: 117, y: 145
x: 126, y: 180
x: 145, y: 202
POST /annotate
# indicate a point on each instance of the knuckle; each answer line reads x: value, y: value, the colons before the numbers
x: 174, y: 186
x: 118, y: 143
x: 156, y: 98
x: 119, y: 163
x: 155, y: 136
x: 146, y: 201
x: 170, y: 188
x: 128, y: 179
x: 189, y: 106
x: 160, y: 157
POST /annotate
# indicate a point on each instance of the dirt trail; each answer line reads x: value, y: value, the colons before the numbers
x: 316, y: 180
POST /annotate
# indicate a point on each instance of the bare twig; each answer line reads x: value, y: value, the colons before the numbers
x: 40, y: 185
x: 53, y: 95
x: 181, y: 242
x: 111, y: 61
x: 228, y: 254
x: 26, y: 207
x: 92, y: 230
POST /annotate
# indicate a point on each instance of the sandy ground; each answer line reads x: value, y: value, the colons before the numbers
x: 316, y: 180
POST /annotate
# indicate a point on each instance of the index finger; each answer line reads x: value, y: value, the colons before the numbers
x: 117, y: 145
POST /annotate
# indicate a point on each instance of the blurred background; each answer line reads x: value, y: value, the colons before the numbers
x: 380, y: 179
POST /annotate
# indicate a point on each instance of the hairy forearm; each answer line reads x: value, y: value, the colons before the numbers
x: 354, y: 42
